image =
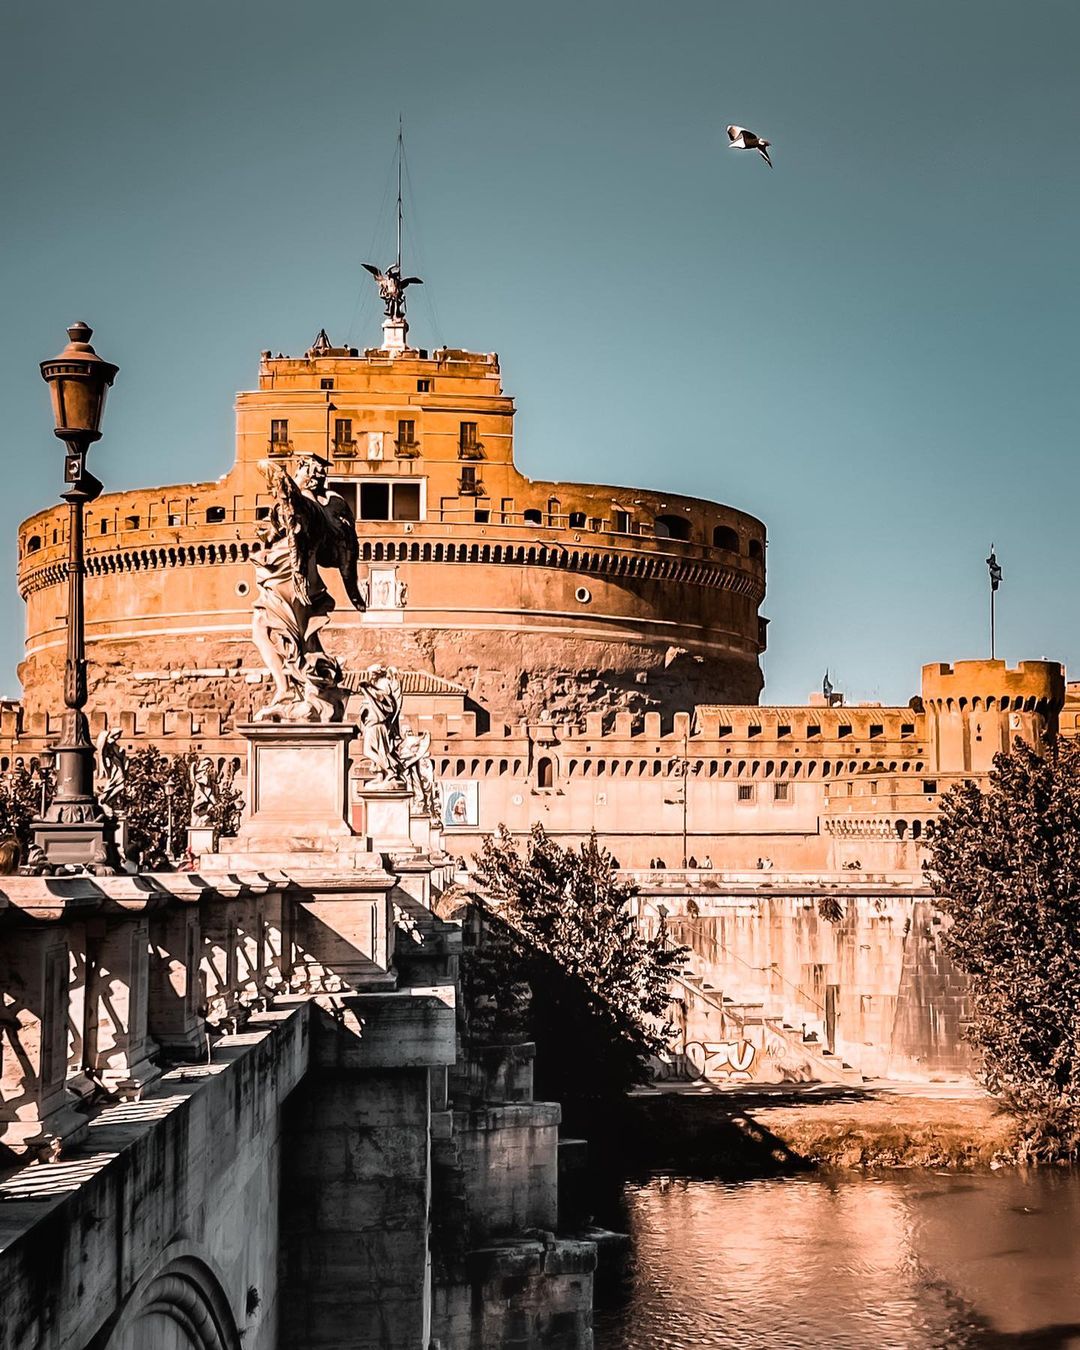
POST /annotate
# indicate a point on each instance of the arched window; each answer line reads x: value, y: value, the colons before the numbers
x: 671, y: 527
x: 725, y: 537
x: 545, y: 773
x: 533, y: 517
x: 756, y: 549
x: 33, y: 543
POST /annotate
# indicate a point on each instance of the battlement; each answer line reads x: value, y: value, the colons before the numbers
x: 1031, y: 686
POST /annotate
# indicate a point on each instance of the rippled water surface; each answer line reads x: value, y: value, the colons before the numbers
x: 910, y: 1261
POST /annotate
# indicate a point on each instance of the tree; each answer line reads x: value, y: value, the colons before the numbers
x: 150, y: 776
x: 560, y: 921
x: 21, y: 799
x: 1006, y: 866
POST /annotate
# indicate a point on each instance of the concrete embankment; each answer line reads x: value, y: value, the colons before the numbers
x: 758, y: 1133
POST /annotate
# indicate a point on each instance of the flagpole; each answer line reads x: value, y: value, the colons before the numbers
x: 993, y: 597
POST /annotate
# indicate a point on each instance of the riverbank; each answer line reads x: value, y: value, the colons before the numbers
x: 752, y: 1133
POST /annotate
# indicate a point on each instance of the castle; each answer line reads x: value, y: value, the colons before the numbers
x: 584, y: 656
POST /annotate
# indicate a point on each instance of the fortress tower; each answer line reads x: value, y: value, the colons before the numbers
x: 531, y: 596
x: 978, y: 709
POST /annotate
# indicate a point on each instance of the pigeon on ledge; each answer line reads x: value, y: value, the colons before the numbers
x: 741, y: 139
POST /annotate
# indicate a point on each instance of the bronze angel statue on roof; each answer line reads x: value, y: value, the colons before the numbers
x: 309, y: 526
x: 392, y: 286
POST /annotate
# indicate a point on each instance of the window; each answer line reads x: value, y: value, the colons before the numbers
x: 553, y: 508
x: 876, y: 729
x: 783, y: 730
x: 533, y: 517
x: 104, y: 527
x: 174, y: 518
x: 929, y: 786
x: 33, y: 543
x: 406, y: 434
x: 468, y: 445
x: 753, y: 731
x: 780, y: 792
x: 131, y: 522
x: 671, y: 527
x: 620, y: 522
x: 215, y: 515
x: 423, y: 386
x: 262, y: 512
x: 326, y: 383
x: 746, y: 792
x: 843, y: 730
x: 279, y: 431
x: 756, y: 549
x: 907, y: 729
x: 873, y: 787
x: 813, y: 731
x: 343, y: 431
x: 374, y: 501
x: 725, y: 537
x: 481, y: 517
x: 405, y: 500
x: 468, y: 484
x: 545, y: 773
x: 577, y: 520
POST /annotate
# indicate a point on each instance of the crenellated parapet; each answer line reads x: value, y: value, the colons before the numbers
x: 977, y: 709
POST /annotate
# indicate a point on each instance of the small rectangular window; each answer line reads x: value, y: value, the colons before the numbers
x: 131, y: 522
x: 215, y: 515
x: 780, y: 792
x: 104, y: 527
x: 406, y: 501
x: 468, y: 478
x: 620, y: 522
x: 326, y: 383
x: 929, y: 786
x: 467, y: 436
x: 174, y: 518
x: 783, y: 730
x: 876, y: 730
x: 813, y: 731
x: 343, y: 431
x: 262, y: 512
x: 374, y: 501
x: 423, y: 386
x: 724, y: 731
x: 406, y: 433
x: 907, y: 728
x: 753, y: 731
x: 873, y: 787
x: 279, y: 431
x: 843, y: 730
x: 746, y: 792
x: 481, y: 517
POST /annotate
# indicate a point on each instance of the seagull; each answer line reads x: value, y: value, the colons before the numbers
x: 741, y: 139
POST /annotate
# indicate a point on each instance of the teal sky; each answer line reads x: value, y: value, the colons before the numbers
x: 872, y: 347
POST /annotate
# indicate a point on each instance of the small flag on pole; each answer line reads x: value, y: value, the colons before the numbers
x: 995, y: 570
x: 826, y: 688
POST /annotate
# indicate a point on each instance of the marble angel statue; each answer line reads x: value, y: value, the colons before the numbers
x: 309, y: 526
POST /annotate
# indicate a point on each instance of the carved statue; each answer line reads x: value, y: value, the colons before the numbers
x: 380, y: 725
x: 420, y: 772
x: 205, y: 792
x: 308, y: 527
x: 392, y: 286
x: 112, y: 772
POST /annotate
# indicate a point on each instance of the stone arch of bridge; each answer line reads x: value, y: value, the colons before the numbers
x: 178, y: 1305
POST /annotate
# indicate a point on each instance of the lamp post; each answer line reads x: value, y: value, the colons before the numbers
x: 74, y: 830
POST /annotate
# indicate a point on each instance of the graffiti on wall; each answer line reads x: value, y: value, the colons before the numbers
x: 724, y: 1061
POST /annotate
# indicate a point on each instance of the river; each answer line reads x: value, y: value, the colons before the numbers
x: 890, y: 1261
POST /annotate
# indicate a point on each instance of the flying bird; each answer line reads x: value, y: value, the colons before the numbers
x: 741, y: 139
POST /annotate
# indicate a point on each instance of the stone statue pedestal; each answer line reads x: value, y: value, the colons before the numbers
x: 387, y: 819
x: 202, y: 839
x: 297, y: 784
x: 395, y: 335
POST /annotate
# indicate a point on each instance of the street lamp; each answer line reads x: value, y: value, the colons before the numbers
x: 75, y: 830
